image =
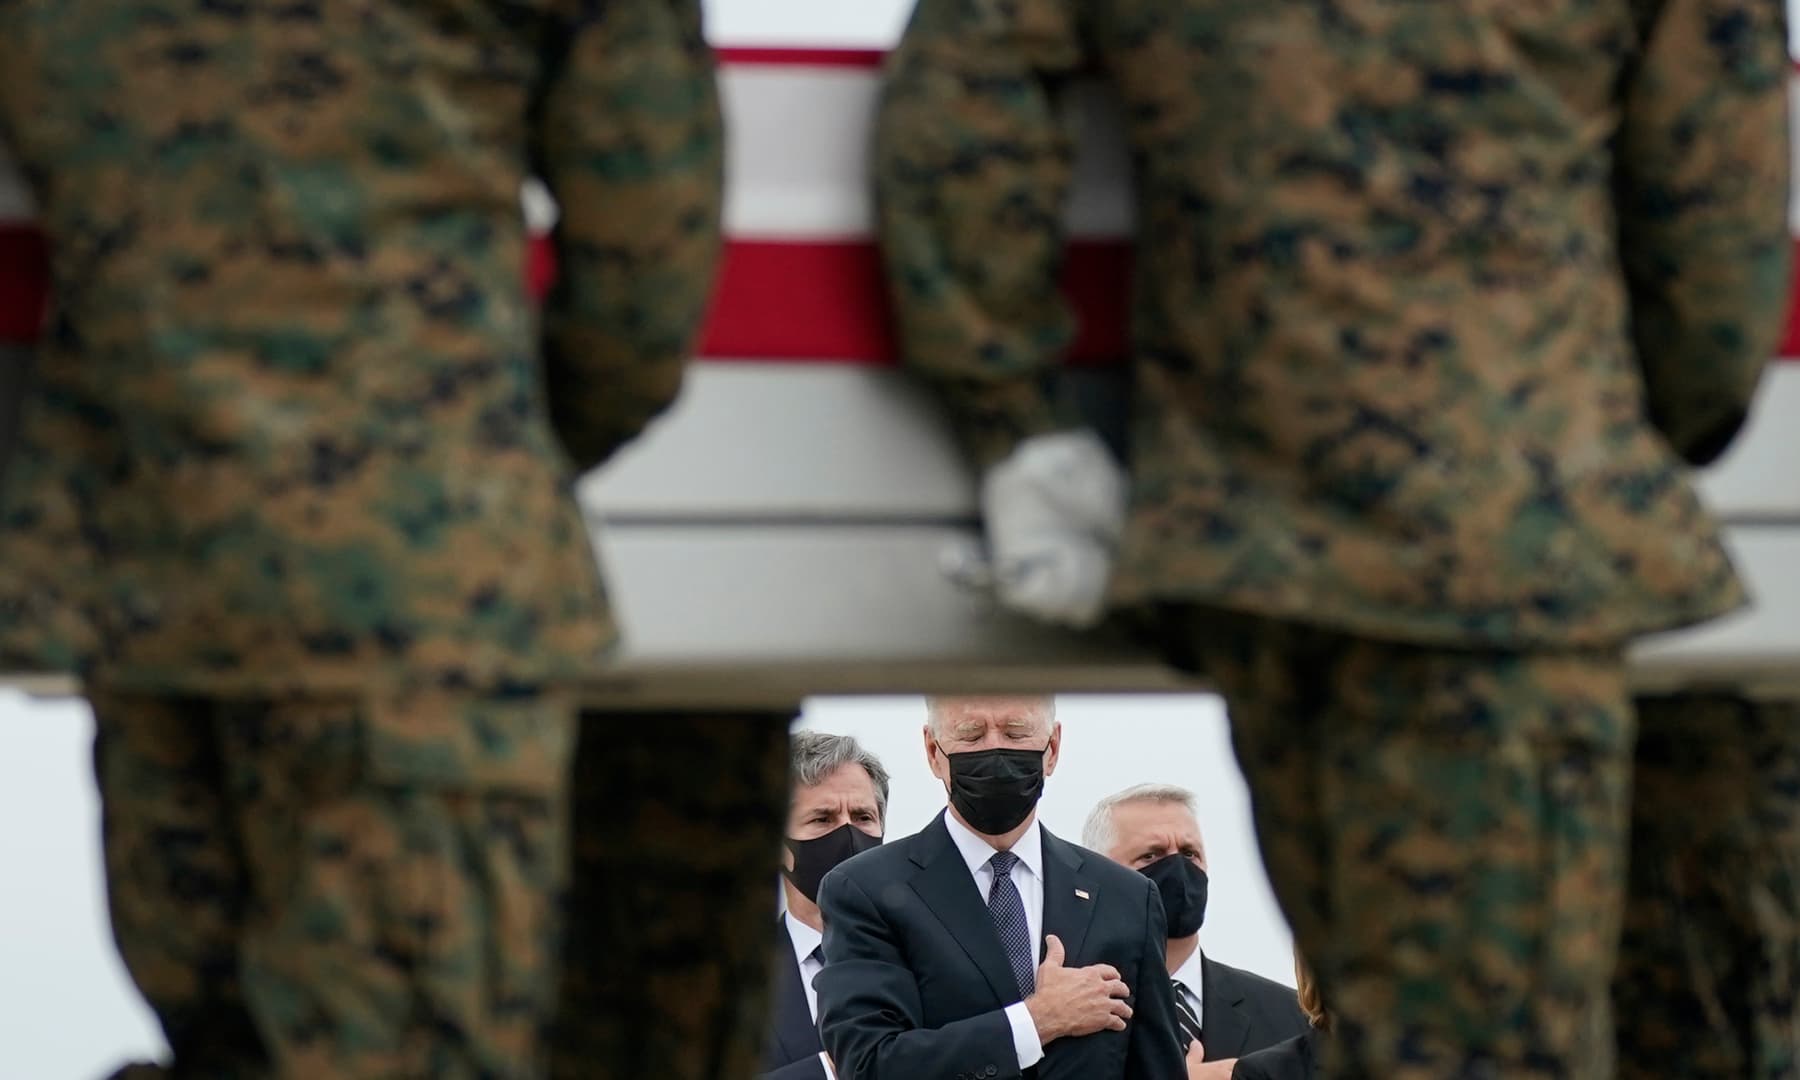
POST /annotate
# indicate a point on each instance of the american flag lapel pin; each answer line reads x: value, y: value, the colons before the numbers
x: 1083, y: 893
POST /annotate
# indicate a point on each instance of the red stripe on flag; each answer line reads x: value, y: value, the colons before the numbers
x: 24, y: 283
x: 813, y: 302
x: 1790, y: 341
x: 826, y: 303
x: 799, y: 302
x: 864, y: 57
x: 840, y: 58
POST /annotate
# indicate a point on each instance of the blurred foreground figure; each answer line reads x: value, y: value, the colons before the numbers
x: 307, y: 455
x: 668, y: 968
x: 1435, y: 306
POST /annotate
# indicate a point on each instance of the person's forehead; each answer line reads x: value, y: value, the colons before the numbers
x: 1144, y: 818
x: 989, y: 711
x: 848, y: 782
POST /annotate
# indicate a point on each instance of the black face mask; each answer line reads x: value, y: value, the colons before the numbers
x: 1183, y: 889
x: 995, y: 790
x: 814, y: 858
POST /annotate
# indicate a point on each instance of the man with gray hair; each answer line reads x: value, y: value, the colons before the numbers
x: 838, y: 809
x: 1224, y: 1012
x: 983, y: 945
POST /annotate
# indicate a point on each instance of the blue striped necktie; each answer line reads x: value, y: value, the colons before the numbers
x: 1008, y: 912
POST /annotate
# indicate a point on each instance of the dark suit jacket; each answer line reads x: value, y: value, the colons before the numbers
x: 1295, y: 1059
x: 792, y: 1052
x: 916, y: 981
x: 1243, y: 1012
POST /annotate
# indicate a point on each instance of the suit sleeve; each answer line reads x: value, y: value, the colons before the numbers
x: 628, y: 137
x: 805, y: 1069
x: 972, y: 165
x: 1702, y: 180
x: 871, y: 1018
x: 1245, y: 1069
x: 1155, y: 1052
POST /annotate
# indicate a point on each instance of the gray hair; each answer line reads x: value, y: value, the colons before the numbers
x: 814, y: 755
x: 1100, y: 835
x: 936, y: 704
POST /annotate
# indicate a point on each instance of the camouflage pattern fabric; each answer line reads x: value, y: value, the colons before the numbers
x: 314, y: 887
x: 678, y: 820
x: 15, y: 365
x: 1708, y: 986
x: 44, y: 621
x: 1431, y: 299
x: 318, y: 436
x: 1446, y: 831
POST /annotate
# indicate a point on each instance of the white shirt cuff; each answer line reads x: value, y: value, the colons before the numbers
x: 1025, y: 1036
x: 825, y: 1060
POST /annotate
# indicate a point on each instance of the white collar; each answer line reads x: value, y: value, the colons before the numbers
x: 804, y: 937
x: 976, y: 851
x: 1192, y: 973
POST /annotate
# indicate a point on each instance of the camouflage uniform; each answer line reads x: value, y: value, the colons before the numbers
x: 298, y: 469
x: 15, y: 371
x: 1435, y: 304
x: 1709, y: 974
x: 672, y: 907
x: 311, y: 888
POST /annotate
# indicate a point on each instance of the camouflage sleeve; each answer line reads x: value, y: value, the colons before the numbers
x: 972, y: 166
x: 630, y: 140
x: 1702, y: 180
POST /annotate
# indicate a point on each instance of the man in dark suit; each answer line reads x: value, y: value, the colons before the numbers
x: 838, y: 808
x: 1224, y: 1012
x: 933, y: 965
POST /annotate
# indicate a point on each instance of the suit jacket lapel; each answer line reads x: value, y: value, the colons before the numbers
x: 1066, y: 913
x: 1223, y: 1028
x: 944, y: 884
x: 794, y: 1027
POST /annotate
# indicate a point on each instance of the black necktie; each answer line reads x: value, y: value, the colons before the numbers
x: 1184, y: 1016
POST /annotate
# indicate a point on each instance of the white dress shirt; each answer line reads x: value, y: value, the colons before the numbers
x: 1028, y: 878
x: 1190, y: 983
x: 805, y: 940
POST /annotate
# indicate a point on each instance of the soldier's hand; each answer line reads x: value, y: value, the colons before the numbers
x: 1054, y: 512
x: 1198, y: 1068
x: 1076, y: 1001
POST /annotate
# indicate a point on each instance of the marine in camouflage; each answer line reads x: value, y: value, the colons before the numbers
x: 292, y: 490
x: 1435, y: 306
x: 290, y: 321
x: 1430, y: 300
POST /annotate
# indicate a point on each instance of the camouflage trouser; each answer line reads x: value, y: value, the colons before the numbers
x: 333, y: 888
x: 1709, y: 973
x: 677, y: 822
x: 1447, y: 831
x: 15, y: 362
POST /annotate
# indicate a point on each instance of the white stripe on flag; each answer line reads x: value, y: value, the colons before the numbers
x: 1794, y: 151
x: 798, y: 156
